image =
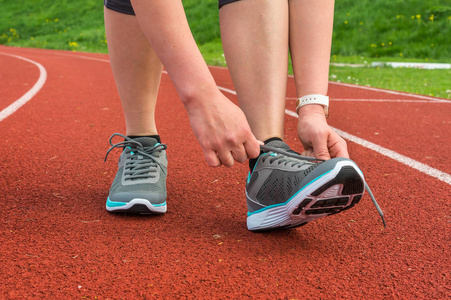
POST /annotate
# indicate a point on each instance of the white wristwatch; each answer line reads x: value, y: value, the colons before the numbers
x: 313, y: 99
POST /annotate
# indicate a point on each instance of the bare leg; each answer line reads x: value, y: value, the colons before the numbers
x: 311, y: 25
x: 255, y: 41
x: 137, y: 71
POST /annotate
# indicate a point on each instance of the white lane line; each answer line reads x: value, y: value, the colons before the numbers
x: 355, y: 86
x: 83, y: 57
x: 445, y: 177
x: 386, y: 100
x: 227, y: 90
x: 12, y: 108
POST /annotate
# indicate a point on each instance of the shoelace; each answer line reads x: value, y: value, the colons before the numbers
x: 300, y: 160
x: 300, y: 157
x: 142, y: 163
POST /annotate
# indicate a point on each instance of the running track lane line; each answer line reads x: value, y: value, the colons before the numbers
x: 13, y: 107
x: 385, y: 100
x: 442, y: 176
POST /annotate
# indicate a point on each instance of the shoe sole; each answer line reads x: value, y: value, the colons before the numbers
x: 136, y: 206
x: 332, y: 192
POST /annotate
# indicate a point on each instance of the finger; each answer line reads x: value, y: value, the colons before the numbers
x: 252, y: 147
x: 308, y: 152
x: 226, y: 158
x: 212, y: 159
x: 342, y: 153
x: 339, y: 149
x: 239, y: 154
x: 320, y: 149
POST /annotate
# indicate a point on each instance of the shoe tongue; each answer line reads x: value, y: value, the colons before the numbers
x: 146, y: 141
x: 278, y: 144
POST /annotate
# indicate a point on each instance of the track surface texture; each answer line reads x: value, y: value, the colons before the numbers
x: 58, y: 241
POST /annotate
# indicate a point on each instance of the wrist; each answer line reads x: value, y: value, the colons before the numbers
x: 311, y: 109
x: 196, y: 94
x: 200, y: 97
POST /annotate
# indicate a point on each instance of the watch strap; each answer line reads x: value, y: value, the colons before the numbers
x: 313, y: 99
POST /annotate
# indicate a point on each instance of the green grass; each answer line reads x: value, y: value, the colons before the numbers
x: 64, y: 25
x: 395, y: 28
x: 366, y: 30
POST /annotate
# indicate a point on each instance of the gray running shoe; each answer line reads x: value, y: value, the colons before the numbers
x: 287, y: 190
x: 140, y: 183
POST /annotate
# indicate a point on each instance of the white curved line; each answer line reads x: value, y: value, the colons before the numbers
x: 12, y: 108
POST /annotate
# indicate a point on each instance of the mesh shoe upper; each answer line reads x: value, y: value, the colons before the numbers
x: 142, y: 170
x: 276, y: 177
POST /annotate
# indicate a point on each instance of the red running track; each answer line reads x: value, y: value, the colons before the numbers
x: 57, y: 240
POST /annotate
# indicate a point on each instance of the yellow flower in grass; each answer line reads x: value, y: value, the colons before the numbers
x: 431, y: 17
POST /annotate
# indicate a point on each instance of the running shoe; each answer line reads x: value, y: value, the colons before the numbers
x: 287, y: 190
x: 140, y: 183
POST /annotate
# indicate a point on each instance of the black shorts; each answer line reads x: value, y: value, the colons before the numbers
x: 125, y: 7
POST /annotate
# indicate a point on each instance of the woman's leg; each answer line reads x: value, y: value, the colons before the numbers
x: 255, y: 40
x: 137, y: 71
x: 311, y: 25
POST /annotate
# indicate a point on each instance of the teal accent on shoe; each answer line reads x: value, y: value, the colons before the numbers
x: 110, y: 203
x: 286, y: 202
x: 258, y: 158
x: 248, y: 177
x: 128, y: 147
